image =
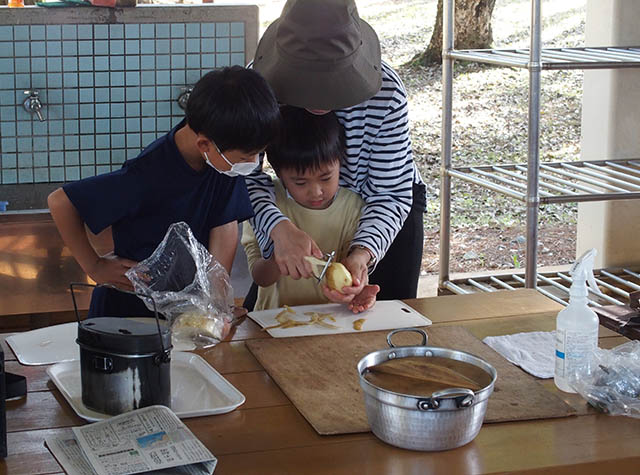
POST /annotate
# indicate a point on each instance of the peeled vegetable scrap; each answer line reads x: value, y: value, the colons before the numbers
x: 285, y: 321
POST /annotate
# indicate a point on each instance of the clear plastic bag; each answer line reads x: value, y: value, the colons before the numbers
x: 191, y: 289
x: 610, y: 380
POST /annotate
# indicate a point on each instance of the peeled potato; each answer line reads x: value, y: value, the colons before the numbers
x: 198, y: 323
x: 338, y: 277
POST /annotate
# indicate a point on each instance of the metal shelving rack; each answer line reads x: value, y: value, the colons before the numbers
x: 616, y: 285
x: 536, y: 183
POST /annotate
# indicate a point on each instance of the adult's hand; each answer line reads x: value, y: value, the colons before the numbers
x: 291, y: 245
x: 110, y: 269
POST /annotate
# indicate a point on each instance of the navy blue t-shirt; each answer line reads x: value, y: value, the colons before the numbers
x: 142, y: 199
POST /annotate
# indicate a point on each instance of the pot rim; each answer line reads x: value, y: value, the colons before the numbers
x: 99, y: 351
x: 376, y: 357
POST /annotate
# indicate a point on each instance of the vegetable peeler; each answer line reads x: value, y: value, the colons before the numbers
x: 329, y: 258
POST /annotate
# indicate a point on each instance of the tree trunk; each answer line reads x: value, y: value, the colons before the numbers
x: 472, y: 29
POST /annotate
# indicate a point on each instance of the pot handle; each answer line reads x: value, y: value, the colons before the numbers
x: 415, y: 330
x: 463, y: 397
x: 164, y: 355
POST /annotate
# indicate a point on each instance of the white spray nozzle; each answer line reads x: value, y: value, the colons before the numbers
x: 582, y: 271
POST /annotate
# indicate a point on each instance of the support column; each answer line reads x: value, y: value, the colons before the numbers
x: 611, y: 130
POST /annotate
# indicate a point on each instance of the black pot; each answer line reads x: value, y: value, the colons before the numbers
x: 124, y: 363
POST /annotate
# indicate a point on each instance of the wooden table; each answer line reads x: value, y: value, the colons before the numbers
x: 268, y: 435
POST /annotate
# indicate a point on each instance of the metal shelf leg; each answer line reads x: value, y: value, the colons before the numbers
x: 445, y: 163
x: 533, y: 162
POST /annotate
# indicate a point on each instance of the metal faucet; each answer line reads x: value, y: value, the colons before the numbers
x: 184, y: 97
x: 32, y: 104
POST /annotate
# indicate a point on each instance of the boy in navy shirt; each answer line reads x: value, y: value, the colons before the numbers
x: 190, y: 174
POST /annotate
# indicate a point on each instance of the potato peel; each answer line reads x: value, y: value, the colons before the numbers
x: 315, y: 318
x: 318, y: 319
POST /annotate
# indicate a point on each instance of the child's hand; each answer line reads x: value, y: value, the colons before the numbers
x: 239, y: 312
x: 110, y: 269
x: 365, y: 299
x: 346, y: 294
x: 337, y: 297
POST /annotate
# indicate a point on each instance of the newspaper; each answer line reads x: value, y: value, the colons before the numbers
x: 151, y: 440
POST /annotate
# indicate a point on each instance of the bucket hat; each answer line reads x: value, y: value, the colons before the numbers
x: 319, y: 54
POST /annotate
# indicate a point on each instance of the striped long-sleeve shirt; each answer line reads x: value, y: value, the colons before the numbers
x: 378, y: 166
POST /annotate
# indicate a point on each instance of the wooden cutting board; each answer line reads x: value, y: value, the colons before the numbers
x: 318, y: 374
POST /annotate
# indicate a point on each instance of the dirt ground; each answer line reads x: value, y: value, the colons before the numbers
x: 489, y: 248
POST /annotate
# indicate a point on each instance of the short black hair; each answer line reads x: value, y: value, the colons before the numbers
x: 306, y: 141
x: 234, y: 107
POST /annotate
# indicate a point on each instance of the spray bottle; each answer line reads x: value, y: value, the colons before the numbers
x: 577, y: 324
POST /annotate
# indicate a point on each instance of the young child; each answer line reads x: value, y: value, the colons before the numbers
x: 306, y: 157
x: 190, y: 174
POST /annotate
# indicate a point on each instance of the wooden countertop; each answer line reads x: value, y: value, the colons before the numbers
x: 36, y: 268
x: 268, y: 435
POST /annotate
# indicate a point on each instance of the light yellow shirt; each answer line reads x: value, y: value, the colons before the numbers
x: 332, y: 229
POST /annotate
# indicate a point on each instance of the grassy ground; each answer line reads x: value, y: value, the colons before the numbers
x: 489, y: 125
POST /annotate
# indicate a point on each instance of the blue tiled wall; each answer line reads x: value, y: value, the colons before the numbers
x: 107, y: 91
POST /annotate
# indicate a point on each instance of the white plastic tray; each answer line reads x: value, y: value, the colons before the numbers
x: 197, y: 389
x: 47, y: 345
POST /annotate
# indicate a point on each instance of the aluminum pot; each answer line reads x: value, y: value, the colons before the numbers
x: 447, y: 419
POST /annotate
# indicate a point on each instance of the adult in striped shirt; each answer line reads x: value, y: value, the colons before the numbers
x: 319, y: 55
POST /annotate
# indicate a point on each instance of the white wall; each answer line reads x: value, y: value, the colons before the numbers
x: 611, y: 130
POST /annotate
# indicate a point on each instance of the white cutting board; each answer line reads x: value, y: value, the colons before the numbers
x: 385, y: 315
x: 57, y: 344
x: 48, y: 345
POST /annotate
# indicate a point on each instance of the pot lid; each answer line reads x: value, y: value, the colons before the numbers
x: 124, y: 335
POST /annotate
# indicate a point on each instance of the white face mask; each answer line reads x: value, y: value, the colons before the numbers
x: 237, y: 169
